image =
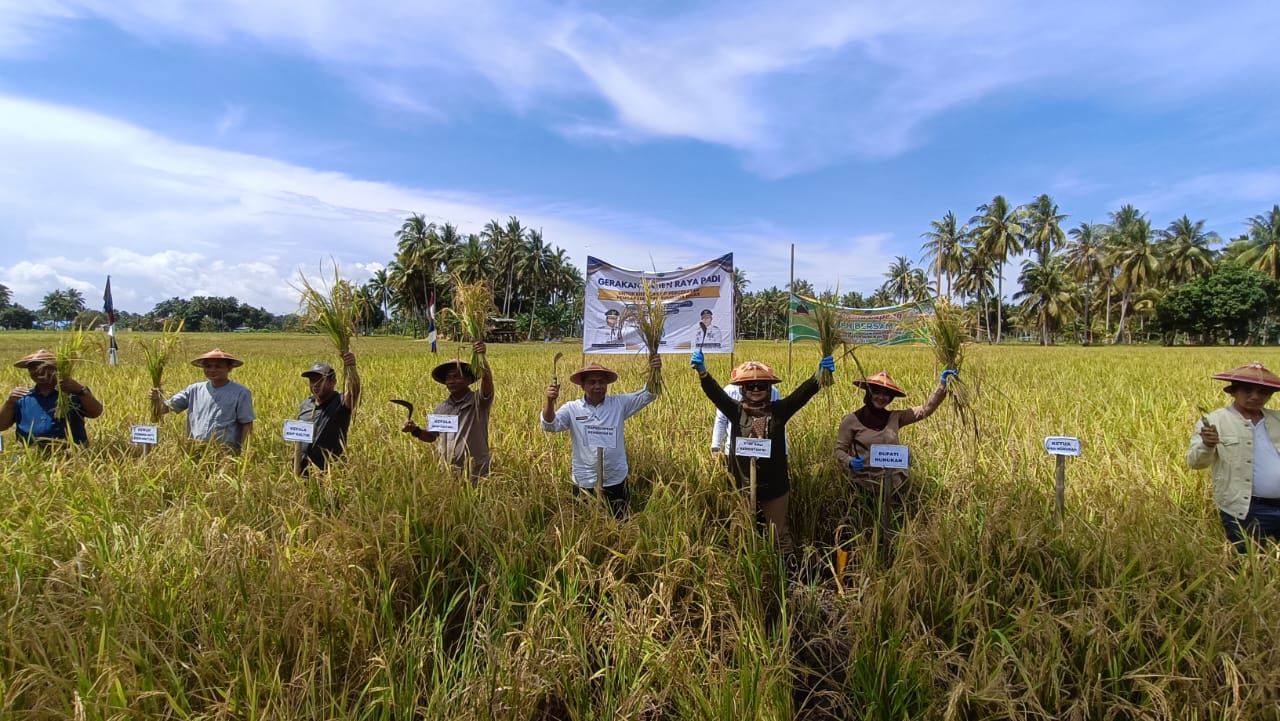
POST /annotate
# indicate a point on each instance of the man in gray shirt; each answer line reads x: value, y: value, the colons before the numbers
x: 218, y: 408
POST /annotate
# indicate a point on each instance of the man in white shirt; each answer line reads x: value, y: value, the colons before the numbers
x: 596, y: 421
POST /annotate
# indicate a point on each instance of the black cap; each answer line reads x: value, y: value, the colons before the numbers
x: 705, y: 311
x: 319, y: 368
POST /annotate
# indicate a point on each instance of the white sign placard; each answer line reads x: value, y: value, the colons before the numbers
x: 1062, y: 446
x: 753, y: 447
x: 149, y: 435
x: 442, y: 424
x: 299, y: 431
x: 602, y: 437
x: 886, y: 456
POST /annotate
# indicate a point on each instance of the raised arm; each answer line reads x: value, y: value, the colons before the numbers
x: 921, y: 412
x: 351, y: 398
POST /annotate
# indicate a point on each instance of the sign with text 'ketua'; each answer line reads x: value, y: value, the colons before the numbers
x: 753, y: 447
x: 887, y: 456
x: 1062, y: 446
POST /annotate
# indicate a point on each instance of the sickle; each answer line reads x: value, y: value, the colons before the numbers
x: 406, y: 404
x: 555, y: 380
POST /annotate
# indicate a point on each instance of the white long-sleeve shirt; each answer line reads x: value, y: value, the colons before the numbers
x: 720, y: 430
x: 578, y: 417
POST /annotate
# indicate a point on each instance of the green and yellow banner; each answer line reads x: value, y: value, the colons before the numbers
x: 890, y: 325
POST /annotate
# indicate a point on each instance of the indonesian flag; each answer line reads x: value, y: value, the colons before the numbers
x: 431, y: 322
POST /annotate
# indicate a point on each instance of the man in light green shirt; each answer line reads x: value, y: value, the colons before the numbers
x: 1240, y: 443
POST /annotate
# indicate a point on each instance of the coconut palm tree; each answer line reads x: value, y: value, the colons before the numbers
x: 1083, y: 258
x: 471, y: 261
x: 998, y: 233
x: 1134, y: 257
x: 1185, y: 251
x: 1263, y: 253
x: 1043, y: 227
x: 902, y: 284
x: 943, y: 245
x: 1048, y: 295
x: 63, y: 304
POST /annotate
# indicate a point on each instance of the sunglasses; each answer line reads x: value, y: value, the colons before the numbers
x: 755, y: 386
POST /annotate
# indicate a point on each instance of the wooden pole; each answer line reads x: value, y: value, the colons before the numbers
x: 599, y: 473
x: 886, y: 518
x: 791, y: 289
x: 1060, y: 487
x: 753, y: 486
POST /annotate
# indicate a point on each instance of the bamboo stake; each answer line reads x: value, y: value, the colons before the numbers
x: 1060, y: 486
x: 753, y: 485
x: 886, y: 518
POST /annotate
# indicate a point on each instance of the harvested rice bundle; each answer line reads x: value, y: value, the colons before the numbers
x: 650, y: 317
x: 156, y: 353
x: 827, y: 323
x: 69, y: 352
x: 472, y: 307
x: 948, y: 332
x: 333, y: 311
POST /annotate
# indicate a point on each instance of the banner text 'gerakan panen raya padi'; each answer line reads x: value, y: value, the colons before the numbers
x: 890, y: 325
x: 698, y: 302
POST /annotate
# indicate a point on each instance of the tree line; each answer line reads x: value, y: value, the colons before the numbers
x: 1123, y: 280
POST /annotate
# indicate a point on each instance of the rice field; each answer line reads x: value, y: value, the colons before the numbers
x: 181, y: 584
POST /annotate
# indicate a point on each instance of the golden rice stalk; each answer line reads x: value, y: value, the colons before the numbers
x: 650, y: 317
x: 70, y: 351
x: 156, y: 354
x: 334, y: 311
x: 472, y: 306
x: 948, y: 333
x: 827, y: 322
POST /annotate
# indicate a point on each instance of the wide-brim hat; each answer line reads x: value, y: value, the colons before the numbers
x: 593, y: 367
x: 217, y: 354
x: 439, y: 372
x: 40, y: 356
x: 753, y: 372
x: 881, y: 380
x: 1254, y: 373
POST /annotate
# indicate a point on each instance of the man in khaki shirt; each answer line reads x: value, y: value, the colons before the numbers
x: 466, y: 450
x: 1240, y: 443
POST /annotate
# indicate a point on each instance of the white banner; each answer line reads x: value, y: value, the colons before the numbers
x: 698, y: 302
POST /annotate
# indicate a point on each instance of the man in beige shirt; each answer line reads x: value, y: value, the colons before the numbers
x: 467, y: 449
x: 1239, y: 443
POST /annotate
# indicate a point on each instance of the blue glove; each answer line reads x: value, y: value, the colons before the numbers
x: 698, y: 362
x: 948, y: 374
x: 828, y: 363
x: 856, y: 463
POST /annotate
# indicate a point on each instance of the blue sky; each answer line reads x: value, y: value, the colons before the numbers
x: 194, y: 148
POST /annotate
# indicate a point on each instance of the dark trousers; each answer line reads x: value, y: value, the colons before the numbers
x: 617, y: 496
x: 1261, y: 523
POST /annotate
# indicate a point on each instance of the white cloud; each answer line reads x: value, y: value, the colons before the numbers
x: 792, y: 86
x: 86, y: 196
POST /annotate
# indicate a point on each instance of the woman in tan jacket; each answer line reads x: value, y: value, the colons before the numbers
x: 874, y: 423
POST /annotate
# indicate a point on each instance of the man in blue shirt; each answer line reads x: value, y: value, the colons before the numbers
x: 35, y: 410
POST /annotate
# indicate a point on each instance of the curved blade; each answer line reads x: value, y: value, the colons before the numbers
x: 406, y: 404
x: 555, y: 362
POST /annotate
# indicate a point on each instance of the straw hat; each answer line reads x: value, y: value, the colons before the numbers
x: 1254, y: 373
x: 40, y: 356
x: 881, y: 380
x: 593, y: 367
x: 753, y: 371
x: 217, y: 354
x: 439, y: 372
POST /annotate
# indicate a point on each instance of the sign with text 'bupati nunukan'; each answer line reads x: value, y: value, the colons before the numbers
x: 887, y: 456
x: 697, y: 304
